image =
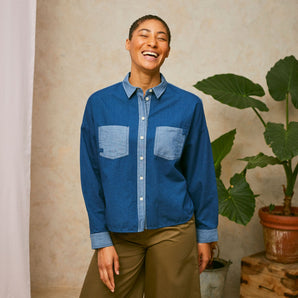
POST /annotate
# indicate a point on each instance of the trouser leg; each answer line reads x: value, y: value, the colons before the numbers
x: 168, y: 257
x: 129, y: 283
x: 172, y: 269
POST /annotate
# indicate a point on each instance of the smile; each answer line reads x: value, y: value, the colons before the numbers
x: 151, y: 54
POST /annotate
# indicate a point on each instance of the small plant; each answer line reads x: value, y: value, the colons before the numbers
x: 237, y: 91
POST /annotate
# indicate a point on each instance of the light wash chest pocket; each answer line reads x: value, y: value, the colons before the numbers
x: 168, y: 142
x: 113, y: 141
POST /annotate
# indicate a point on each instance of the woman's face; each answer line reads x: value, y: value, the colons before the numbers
x: 148, y: 47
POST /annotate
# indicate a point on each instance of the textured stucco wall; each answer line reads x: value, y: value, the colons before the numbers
x: 80, y: 48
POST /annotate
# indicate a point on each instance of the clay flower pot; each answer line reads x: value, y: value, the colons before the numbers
x: 280, y: 234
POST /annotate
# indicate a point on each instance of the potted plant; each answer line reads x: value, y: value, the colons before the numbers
x: 280, y: 222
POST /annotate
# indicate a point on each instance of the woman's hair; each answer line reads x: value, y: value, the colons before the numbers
x: 139, y: 21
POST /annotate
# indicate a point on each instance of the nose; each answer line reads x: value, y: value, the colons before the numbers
x: 152, y: 42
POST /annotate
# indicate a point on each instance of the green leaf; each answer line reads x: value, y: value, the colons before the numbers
x: 233, y: 90
x: 271, y: 207
x: 282, y: 78
x: 237, y: 202
x: 261, y: 160
x: 217, y: 169
x: 284, y: 143
x: 220, y: 148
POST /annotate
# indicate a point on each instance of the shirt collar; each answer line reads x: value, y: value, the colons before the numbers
x: 158, y: 90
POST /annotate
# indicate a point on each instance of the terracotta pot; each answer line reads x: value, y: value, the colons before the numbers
x: 280, y: 234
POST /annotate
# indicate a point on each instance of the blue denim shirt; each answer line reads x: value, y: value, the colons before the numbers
x: 146, y: 162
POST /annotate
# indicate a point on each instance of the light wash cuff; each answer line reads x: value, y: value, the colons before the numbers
x: 207, y: 236
x: 99, y: 240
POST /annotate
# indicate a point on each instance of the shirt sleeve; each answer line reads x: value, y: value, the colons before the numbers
x: 91, y: 182
x: 198, y: 168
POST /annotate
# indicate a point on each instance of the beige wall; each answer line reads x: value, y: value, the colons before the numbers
x: 80, y: 48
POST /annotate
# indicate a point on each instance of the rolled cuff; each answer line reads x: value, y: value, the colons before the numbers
x: 99, y: 240
x: 207, y: 236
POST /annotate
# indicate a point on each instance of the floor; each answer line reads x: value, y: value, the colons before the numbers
x: 55, y: 293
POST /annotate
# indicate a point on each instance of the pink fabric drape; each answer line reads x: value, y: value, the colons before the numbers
x: 17, y: 36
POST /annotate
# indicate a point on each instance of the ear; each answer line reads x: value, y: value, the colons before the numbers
x: 168, y: 53
x: 127, y: 44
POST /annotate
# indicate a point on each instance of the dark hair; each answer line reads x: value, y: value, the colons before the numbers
x: 139, y: 21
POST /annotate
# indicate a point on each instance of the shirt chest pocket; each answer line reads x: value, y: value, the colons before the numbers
x: 168, y: 142
x: 113, y: 141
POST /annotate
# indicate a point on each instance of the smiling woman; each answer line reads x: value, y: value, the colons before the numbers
x: 147, y: 178
x: 148, y: 47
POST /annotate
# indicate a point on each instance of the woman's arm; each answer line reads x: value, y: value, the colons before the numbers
x: 198, y: 169
x: 91, y: 182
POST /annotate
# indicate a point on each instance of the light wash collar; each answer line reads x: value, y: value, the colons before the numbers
x: 158, y: 90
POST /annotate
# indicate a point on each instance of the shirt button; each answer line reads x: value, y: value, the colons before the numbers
x: 142, y: 137
x: 147, y: 98
x: 150, y: 90
x: 141, y: 158
x: 143, y: 118
x: 141, y: 198
x: 141, y: 178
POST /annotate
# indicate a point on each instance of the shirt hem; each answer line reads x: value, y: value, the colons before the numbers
x: 116, y: 230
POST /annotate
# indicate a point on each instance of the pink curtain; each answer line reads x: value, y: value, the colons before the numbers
x: 17, y: 37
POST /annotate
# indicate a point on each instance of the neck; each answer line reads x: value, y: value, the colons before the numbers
x: 143, y: 80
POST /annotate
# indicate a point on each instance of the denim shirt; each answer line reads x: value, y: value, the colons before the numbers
x: 146, y: 162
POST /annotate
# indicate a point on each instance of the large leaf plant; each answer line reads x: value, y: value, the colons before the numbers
x: 237, y: 202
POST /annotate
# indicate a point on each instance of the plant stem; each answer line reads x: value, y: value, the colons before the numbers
x: 259, y: 116
x: 294, y: 176
x: 287, y: 110
x: 291, y: 176
x: 288, y: 190
x: 290, y: 165
x: 287, y: 203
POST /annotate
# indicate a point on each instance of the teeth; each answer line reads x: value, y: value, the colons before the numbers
x: 150, y: 54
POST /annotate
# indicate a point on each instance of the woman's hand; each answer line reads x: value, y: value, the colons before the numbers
x: 108, y: 262
x: 204, y: 255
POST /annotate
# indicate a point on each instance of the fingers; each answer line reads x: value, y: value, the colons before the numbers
x: 108, y: 261
x: 116, y: 265
x: 204, y: 255
x: 104, y: 276
x: 203, y: 264
x: 110, y: 281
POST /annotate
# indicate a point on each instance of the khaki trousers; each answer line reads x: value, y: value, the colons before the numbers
x: 160, y: 263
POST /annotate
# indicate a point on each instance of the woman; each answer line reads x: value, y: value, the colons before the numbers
x: 147, y: 178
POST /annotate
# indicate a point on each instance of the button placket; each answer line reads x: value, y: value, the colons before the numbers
x: 143, y: 105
